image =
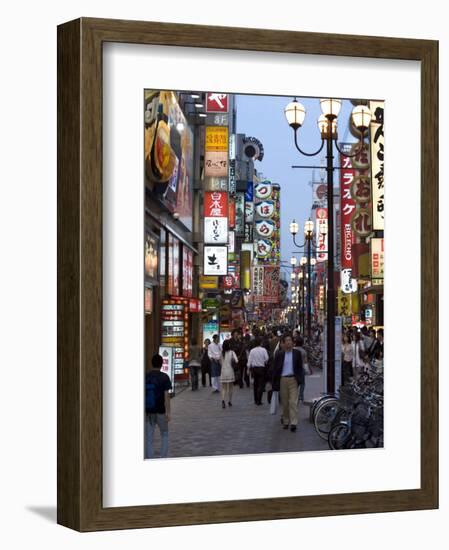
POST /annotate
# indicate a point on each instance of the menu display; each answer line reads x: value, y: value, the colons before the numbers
x: 175, y: 330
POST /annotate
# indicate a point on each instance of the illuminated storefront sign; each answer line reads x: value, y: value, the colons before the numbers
x: 187, y: 272
x: 215, y: 260
x: 377, y: 261
x: 168, y: 146
x: 347, y: 207
x: 216, y: 138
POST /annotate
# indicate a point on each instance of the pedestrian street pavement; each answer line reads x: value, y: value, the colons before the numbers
x: 199, y: 426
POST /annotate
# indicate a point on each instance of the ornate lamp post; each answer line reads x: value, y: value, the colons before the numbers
x: 308, y: 244
x: 327, y: 123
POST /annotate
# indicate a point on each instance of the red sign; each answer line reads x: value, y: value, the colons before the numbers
x: 232, y: 213
x: 194, y: 305
x: 215, y: 204
x: 216, y: 102
x: 269, y: 285
x: 347, y: 208
x: 187, y: 271
x: 228, y: 281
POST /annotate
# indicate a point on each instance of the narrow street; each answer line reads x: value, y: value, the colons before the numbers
x: 200, y: 427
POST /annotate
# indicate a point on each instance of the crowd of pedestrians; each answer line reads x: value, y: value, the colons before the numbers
x: 273, y: 360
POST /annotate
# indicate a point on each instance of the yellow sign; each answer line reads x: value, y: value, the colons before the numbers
x: 344, y: 304
x: 208, y: 281
x: 217, y: 138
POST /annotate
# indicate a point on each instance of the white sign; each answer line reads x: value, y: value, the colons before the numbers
x: 377, y: 163
x: 215, y: 260
x: 231, y: 241
x: 168, y: 366
x: 346, y: 281
x: 216, y: 230
x: 265, y: 209
x: 265, y: 228
x: 263, y: 190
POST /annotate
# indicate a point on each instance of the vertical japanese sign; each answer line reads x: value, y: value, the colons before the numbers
x: 268, y: 284
x: 239, y: 214
x: 377, y: 163
x: 267, y: 222
x: 347, y: 207
x: 321, y: 219
x: 215, y: 217
x: 187, y: 272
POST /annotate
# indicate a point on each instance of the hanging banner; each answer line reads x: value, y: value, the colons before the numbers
x: 321, y: 219
x: 377, y: 163
x: 377, y: 261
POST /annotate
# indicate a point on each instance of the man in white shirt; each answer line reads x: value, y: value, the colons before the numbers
x: 257, y: 362
x: 214, y: 353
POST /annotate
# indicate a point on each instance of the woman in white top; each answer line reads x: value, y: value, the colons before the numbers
x: 227, y: 376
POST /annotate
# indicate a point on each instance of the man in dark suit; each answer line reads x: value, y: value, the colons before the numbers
x: 288, y: 374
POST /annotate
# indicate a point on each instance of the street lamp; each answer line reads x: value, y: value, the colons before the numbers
x: 308, y: 240
x: 327, y: 123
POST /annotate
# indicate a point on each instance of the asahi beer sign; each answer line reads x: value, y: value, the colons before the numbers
x: 377, y: 163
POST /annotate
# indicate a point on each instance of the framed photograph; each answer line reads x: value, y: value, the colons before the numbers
x: 150, y: 126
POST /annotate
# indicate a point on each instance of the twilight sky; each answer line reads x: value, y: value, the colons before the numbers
x: 263, y: 118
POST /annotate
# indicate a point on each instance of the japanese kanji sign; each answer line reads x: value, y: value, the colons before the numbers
x: 267, y: 221
x: 266, y: 287
x: 216, y: 164
x: 321, y: 219
x: 377, y: 163
x: 216, y: 138
x: 216, y: 102
x: 215, y: 204
x: 216, y: 230
x: 215, y: 260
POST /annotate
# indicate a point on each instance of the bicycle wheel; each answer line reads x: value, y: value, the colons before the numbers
x: 318, y: 403
x: 339, y: 436
x: 324, y: 415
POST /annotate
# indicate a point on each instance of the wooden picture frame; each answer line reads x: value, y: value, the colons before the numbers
x: 80, y: 419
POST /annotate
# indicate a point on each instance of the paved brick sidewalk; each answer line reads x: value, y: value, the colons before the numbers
x: 200, y: 427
